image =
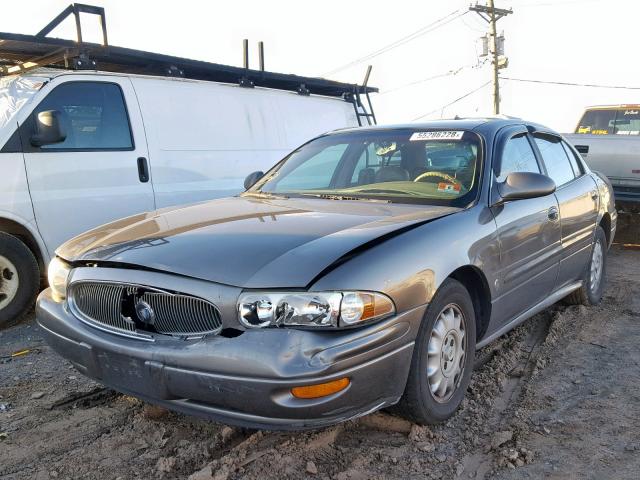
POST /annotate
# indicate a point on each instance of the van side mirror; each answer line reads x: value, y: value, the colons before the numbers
x: 523, y: 185
x: 252, y: 179
x: 49, y: 129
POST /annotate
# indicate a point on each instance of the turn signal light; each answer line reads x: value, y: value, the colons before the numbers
x: 321, y: 389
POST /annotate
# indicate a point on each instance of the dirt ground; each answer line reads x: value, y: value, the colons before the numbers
x: 558, y: 397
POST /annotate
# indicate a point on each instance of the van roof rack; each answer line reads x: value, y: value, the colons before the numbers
x: 20, y: 53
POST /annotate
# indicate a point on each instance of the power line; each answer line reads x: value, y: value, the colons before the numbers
x: 449, y: 73
x: 418, y: 33
x: 453, y: 102
x: 569, y: 84
x: 553, y: 4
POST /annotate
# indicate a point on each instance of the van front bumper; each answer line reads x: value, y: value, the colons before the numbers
x: 245, y: 380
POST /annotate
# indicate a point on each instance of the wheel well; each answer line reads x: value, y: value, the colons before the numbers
x: 476, y: 284
x: 605, y: 223
x: 14, y: 228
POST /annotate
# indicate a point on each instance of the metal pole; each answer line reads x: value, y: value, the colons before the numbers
x: 494, y: 52
x: 76, y: 13
x: 261, y: 55
x: 245, y: 52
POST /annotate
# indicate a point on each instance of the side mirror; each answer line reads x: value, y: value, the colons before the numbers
x: 252, y: 179
x: 522, y: 185
x: 49, y: 129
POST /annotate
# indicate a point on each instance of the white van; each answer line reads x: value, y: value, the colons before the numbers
x: 82, y: 148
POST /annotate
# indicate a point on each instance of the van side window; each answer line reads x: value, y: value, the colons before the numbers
x: 555, y: 159
x: 93, y: 114
x: 517, y: 156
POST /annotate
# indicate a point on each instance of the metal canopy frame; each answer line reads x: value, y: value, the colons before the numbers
x: 20, y: 53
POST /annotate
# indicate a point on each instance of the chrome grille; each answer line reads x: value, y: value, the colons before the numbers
x: 182, y: 315
x: 112, y: 306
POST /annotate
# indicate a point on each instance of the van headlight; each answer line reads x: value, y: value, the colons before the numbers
x: 312, y: 309
x: 58, y: 274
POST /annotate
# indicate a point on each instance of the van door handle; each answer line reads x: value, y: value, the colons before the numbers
x: 143, y: 170
x: 552, y: 214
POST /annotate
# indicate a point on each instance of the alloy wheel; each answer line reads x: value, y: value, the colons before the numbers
x: 9, y: 282
x: 595, y: 274
x: 446, y: 353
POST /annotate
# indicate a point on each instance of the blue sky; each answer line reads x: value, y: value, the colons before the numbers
x: 582, y: 41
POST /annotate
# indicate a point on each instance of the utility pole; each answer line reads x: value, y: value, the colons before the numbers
x: 491, y: 15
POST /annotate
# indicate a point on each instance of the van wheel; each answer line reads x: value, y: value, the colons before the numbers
x: 19, y: 279
x: 443, y: 357
x: 593, y: 283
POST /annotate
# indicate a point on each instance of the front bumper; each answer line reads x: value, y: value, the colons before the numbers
x: 245, y: 380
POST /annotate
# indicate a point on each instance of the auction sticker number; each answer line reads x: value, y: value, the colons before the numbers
x: 437, y: 135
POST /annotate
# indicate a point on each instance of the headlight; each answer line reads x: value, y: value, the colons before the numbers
x: 312, y: 309
x: 58, y: 274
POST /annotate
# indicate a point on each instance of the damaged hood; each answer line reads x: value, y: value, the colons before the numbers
x: 246, y: 241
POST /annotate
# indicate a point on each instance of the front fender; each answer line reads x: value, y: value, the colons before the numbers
x: 410, y: 267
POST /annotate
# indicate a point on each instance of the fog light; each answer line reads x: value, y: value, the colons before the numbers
x: 321, y: 389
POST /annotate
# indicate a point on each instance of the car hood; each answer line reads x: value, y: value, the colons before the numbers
x: 246, y: 241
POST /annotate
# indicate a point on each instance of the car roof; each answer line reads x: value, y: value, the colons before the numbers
x: 484, y: 125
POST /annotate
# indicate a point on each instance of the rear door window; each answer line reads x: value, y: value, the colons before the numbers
x: 573, y: 159
x: 93, y: 115
x: 555, y: 159
x: 517, y: 156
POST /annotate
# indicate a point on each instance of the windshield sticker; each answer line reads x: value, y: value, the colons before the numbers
x: 449, y: 188
x: 628, y: 132
x: 631, y: 112
x: 437, y: 135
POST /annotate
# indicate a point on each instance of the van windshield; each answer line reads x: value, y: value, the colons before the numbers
x: 406, y: 166
x: 611, y: 121
x: 15, y: 92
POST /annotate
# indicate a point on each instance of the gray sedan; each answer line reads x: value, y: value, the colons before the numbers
x: 362, y: 271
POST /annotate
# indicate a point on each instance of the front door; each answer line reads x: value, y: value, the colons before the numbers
x: 577, y: 195
x: 528, y: 234
x: 99, y: 173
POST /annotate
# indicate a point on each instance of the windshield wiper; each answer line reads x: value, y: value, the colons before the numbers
x: 386, y: 190
x: 260, y: 194
x: 327, y: 196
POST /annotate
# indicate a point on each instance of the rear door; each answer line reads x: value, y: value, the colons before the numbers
x: 528, y: 233
x: 577, y: 196
x: 99, y: 173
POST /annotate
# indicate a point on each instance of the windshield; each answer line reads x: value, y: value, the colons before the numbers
x: 15, y: 92
x: 407, y: 166
x: 611, y: 121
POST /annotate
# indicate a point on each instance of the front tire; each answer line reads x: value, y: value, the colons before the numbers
x: 590, y: 293
x: 443, y: 357
x: 19, y: 279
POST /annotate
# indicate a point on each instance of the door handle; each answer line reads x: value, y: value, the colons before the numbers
x: 552, y: 214
x: 143, y: 170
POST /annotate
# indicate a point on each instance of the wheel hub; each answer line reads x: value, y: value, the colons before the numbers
x: 9, y: 282
x: 446, y: 353
x: 596, y: 267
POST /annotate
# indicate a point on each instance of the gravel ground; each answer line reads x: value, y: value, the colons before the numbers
x: 556, y: 398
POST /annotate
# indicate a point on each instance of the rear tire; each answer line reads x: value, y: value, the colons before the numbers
x: 590, y: 293
x: 443, y: 357
x: 19, y: 279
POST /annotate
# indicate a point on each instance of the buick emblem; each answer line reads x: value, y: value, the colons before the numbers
x: 145, y: 313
